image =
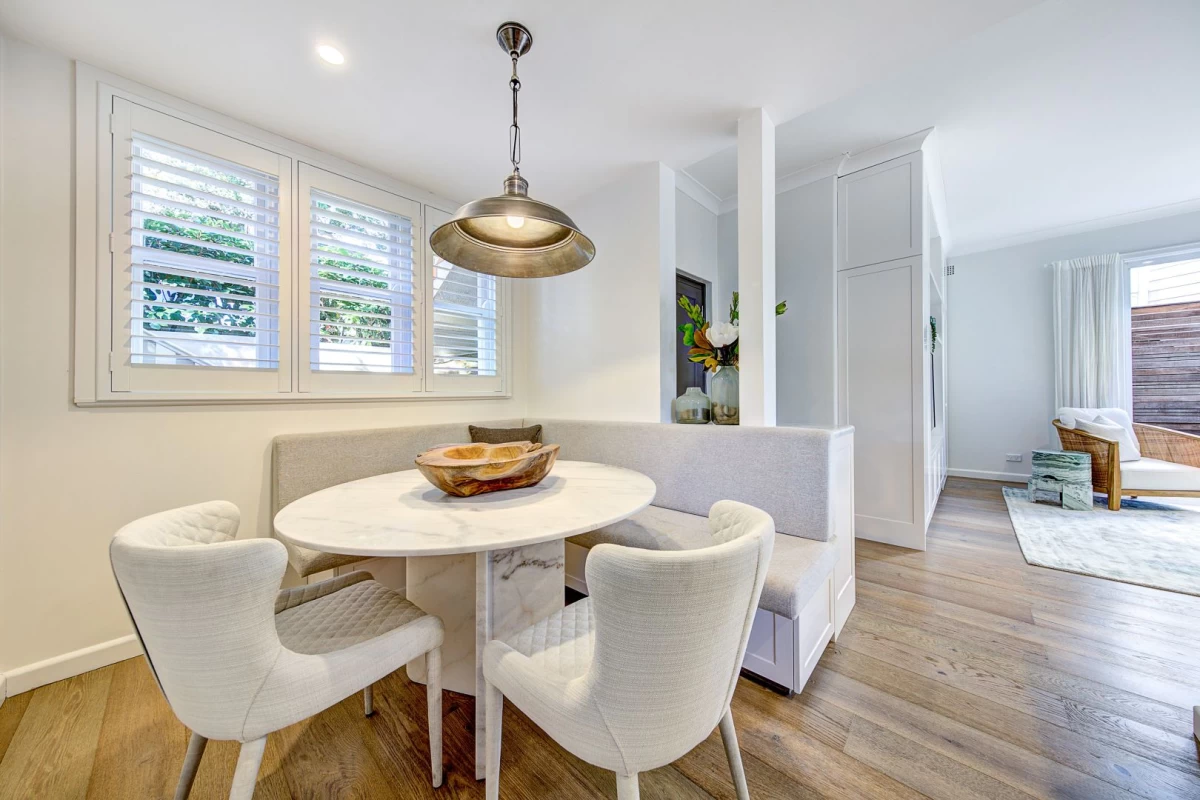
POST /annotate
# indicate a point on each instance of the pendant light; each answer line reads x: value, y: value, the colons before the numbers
x: 513, y: 235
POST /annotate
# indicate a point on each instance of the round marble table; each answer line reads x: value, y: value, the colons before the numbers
x: 489, y: 565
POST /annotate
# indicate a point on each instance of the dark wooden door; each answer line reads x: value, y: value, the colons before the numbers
x: 686, y: 373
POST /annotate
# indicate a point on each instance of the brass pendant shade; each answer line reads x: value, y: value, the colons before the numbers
x: 512, y: 235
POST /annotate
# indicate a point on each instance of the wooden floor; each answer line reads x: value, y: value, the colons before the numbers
x: 962, y: 673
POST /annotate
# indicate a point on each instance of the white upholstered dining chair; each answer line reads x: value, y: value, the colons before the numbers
x: 636, y: 675
x: 235, y: 657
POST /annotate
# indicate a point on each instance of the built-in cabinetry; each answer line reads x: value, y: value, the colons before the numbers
x: 889, y: 378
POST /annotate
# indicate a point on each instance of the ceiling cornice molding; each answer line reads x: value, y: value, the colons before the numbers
x: 794, y: 180
x: 1071, y: 229
x: 697, y: 191
x: 885, y: 152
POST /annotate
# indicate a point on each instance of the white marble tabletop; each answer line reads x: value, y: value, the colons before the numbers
x: 403, y: 514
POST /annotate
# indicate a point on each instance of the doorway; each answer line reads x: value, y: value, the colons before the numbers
x: 688, y: 374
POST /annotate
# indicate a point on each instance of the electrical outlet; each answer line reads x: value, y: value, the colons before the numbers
x: 1013, y: 456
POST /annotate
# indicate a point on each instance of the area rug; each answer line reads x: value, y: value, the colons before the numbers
x: 1145, y: 543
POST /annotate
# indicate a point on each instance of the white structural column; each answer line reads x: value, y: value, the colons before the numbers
x: 756, y: 266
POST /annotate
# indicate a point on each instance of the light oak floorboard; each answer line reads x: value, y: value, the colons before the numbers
x: 963, y: 673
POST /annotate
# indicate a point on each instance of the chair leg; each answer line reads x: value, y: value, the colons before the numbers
x: 368, y: 701
x: 433, y: 697
x: 734, y: 754
x: 246, y: 774
x: 191, y: 763
x: 627, y: 787
x: 493, y: 724
x: 1114, y: 501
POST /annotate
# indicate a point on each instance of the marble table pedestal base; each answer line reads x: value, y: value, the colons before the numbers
x: 483, y: 596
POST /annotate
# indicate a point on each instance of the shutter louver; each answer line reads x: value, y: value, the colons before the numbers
x: 204, y: 273
x: 361, y: 301
x: 464, y: 321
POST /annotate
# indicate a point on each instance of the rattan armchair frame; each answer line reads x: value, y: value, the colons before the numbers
x: 1154, y: 442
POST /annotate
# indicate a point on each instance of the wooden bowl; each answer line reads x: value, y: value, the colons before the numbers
x: 464, y: 470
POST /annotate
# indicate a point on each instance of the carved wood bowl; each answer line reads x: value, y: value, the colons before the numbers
x: 464, y: 470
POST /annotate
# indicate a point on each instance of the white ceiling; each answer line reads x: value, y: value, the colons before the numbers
x: 423, y: 94
x: 1073, y: 111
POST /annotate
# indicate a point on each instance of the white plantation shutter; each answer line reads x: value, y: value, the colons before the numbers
x: 201, y: 278
x: 464, y: 321
x: 466, y: 330
x: 361, y: 303
x: 362, y: 287
x: 205, y: 260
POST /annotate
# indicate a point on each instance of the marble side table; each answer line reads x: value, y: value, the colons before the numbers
x: 1063, y: 477
x: 489, y: 565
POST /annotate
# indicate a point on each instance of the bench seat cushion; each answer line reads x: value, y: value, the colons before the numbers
x: 798, y: 568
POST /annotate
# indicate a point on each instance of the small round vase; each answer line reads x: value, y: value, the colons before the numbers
x: 693, y: 407
x: 724, y: 390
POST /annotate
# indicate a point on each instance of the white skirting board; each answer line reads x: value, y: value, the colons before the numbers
x: 1014, y: 477
x: 68, y: 665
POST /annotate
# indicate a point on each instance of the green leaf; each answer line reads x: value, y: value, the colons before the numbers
x: 780, y: 308
x: 689, y: 334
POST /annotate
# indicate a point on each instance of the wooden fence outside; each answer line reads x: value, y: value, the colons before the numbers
x: 1166, y: 366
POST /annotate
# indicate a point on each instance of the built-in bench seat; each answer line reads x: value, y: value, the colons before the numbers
x: 799, y: 567
x: 802, y: 477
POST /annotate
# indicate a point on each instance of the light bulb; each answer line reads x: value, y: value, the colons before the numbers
x: 331, y: 54
x: 515, y: 222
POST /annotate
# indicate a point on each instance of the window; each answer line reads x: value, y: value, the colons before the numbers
x: 361, y: 302
x: 1164, y: 290
x: 204, y: 260
x: 198, y: 292
x: 465, y: 324
x: 233, y: 265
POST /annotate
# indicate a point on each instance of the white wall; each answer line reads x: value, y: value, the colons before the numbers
x: 805, y: 276
x: 727, y: 260
x: 1000, y: 341
x: 601, y: 340
x: 696, y: 241
x: 69, y: 477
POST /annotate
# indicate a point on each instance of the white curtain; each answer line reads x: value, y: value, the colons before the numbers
x: 1088, y: 368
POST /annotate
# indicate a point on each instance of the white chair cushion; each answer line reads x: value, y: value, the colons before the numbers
x: 798, y: 566
x: 345, y: 618
x: 1105, y: 428
x: 1151, y: 474
x: 562, y: 643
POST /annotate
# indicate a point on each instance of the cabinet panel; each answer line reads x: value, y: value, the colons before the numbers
x: 880, y: 371
x: 879, y: 213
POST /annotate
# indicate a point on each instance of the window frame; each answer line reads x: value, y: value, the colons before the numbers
x: 95, y: 264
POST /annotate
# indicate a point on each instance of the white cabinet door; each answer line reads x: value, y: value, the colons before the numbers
x: 879, y: 213
x: 880, y: 394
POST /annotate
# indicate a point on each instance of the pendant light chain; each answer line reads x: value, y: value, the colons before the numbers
x: 514, y: 131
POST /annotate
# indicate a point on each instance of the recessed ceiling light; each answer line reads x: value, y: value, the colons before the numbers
x: 331, y: 54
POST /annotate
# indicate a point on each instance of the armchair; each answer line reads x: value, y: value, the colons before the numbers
x: 1169, y: 466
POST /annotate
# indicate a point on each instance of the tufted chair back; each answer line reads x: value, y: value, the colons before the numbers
x: 203, y: 605
x: 671, y: 632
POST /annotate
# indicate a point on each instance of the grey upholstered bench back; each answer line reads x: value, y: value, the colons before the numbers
x: 784, y: 471
x: 304, y: 463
